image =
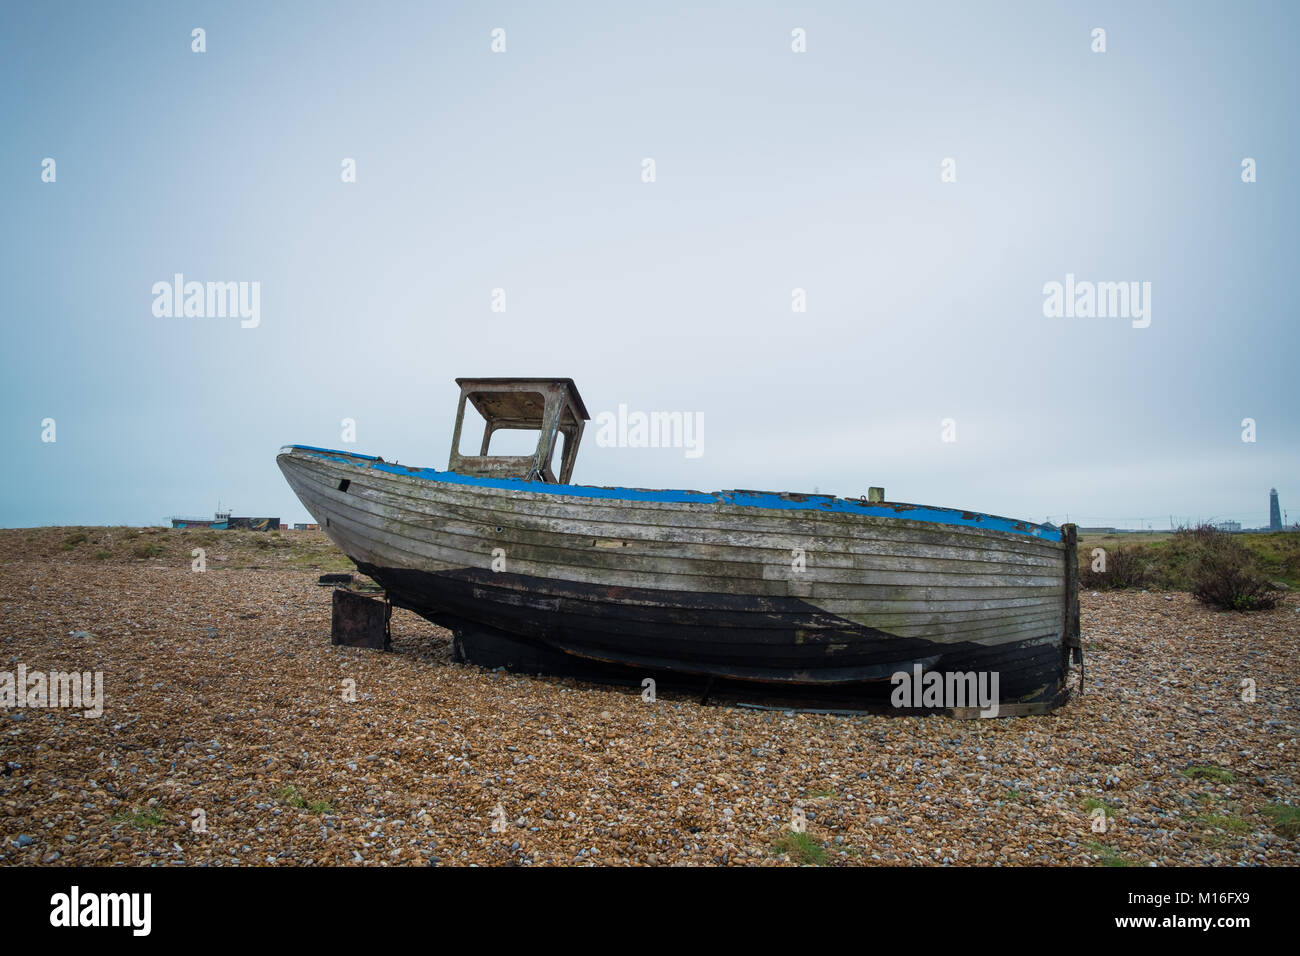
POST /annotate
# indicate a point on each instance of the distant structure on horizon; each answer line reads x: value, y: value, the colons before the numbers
x: 224, y: 521
x: 1229, y: 526
x: 1274, y: 512
x: 219, y: 523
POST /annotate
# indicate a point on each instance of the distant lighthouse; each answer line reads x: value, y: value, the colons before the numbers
x: 1274, y: 512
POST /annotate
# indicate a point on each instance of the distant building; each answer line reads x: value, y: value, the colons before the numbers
x: 224, y: 522
x: 1229, y: 525
x: 1098, y: 531
x: 255, y: 524
x: 1274, y: 511
x: 299, y: 526
x: 212, y: 524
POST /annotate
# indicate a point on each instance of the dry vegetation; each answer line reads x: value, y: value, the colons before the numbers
x: 1234, y: 572
x: 224, y: 696
x: 169, y: 547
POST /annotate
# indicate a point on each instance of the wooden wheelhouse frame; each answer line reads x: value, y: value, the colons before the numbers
x: 550, y: 406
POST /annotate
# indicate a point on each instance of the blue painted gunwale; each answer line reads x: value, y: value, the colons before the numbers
x: 745, y: 499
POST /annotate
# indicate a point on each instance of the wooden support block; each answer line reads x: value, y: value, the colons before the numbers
x: 875, y: 495
x: 359, y: 621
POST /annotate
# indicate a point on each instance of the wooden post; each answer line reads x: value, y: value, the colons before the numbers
x: 1069, y: 538
x: 359, y: 621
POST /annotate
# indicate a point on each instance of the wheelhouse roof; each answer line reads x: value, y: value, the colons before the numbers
x: 511, y: 399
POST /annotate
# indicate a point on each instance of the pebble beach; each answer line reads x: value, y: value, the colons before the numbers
x: 233, y: 733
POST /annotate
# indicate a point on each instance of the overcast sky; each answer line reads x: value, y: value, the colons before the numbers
x: 774, y: 170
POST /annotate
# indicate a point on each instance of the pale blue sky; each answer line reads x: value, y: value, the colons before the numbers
x: 775, y: 170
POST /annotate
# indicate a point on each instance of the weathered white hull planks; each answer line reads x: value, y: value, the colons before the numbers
x: 941, y: 584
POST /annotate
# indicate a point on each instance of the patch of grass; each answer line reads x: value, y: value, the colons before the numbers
x: 801, y: 847
x: 147, y: 549
x: 1285, y: 819
x: 102, y: 555
x: 1108, y: 856
x: 72, y: 540
x: 293, y: 798
x: 1228, y: 822
x: 1217, y: 774
x: 815, y: 792
x: 142, y: 819
x: 1093, y: 803
x: 323, y: 563
x: 1278, y: 554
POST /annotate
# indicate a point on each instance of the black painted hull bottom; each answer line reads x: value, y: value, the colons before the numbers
x: 776, y: 648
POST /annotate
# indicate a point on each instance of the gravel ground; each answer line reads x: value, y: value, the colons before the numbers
x: 224, y: 705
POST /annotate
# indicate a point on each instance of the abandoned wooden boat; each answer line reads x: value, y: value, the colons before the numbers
x: 776, y: 590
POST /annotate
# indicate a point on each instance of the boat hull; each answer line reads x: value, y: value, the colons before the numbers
x: 809, y: 595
